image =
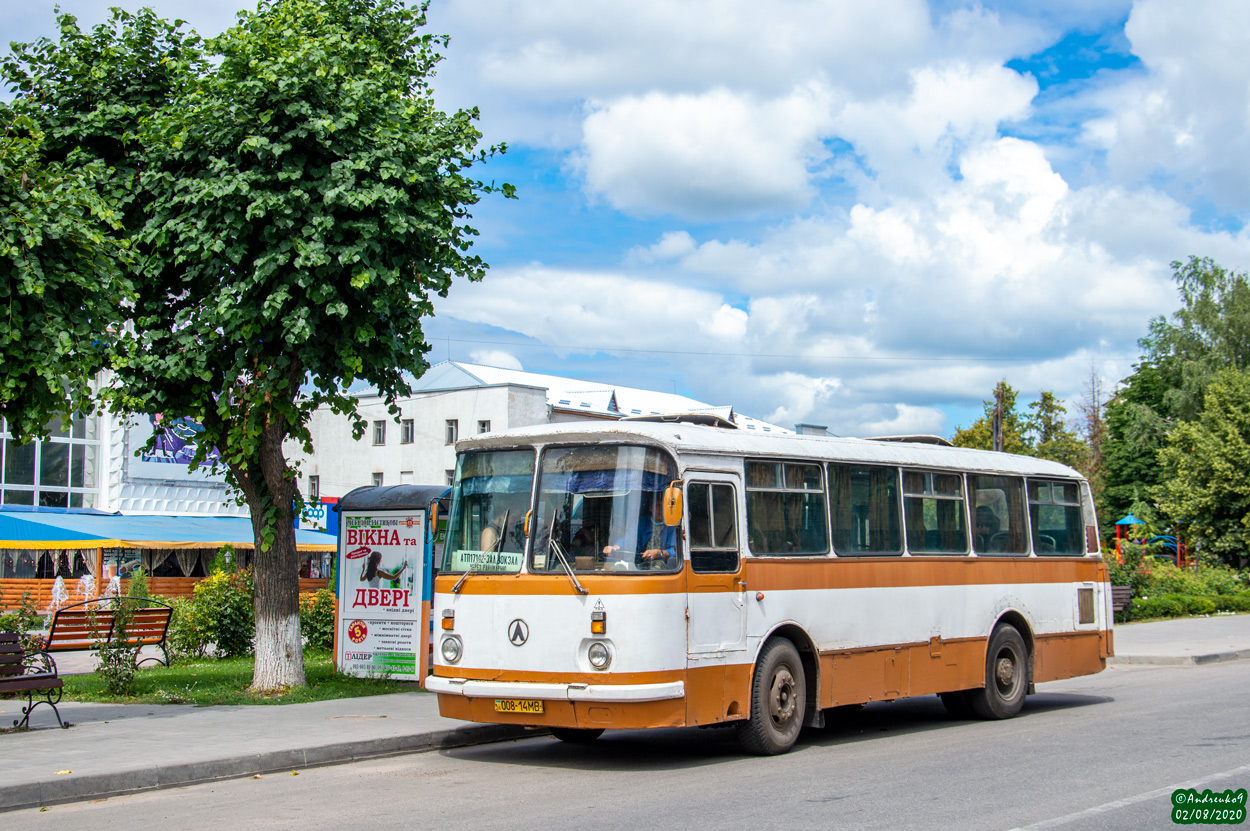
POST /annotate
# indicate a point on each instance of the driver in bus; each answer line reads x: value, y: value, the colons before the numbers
x: 656, y: 543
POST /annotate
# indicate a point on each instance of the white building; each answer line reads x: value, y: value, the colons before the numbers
x: 454, y: 399
x: 92, y: 463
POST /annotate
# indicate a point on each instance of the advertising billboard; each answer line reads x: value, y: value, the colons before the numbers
x: 382, y: 592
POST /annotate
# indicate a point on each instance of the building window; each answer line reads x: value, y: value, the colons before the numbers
x: 451, y: 476
x: 483, y: 426
x: 314, y: 489
x: 453, y: 430
x: 408, y: 432
x: 405, y: 477
x: 379, y: 432
x: 61, y: 472
x: 377, y: 480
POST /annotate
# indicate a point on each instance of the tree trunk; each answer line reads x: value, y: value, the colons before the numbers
x: 275, y: 573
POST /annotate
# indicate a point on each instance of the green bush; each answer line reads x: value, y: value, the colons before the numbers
x: 115, y: 661
x: 139, y: 584
x: 316, y: 619
x: 1201, y: 581
x: 190, y: 630
x: 225, y: 604
x: 1233, y: 602
x: 23, y: 620
x: 1159, y: 606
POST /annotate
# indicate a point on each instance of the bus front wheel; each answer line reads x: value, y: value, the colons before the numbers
x: 778, y: 701
x: 576, y: 735
x: 1006, y: 676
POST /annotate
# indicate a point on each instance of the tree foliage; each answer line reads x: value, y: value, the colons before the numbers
x: 62, y: 278
x: 1015, y: 427
x: 1181, y: 354
x: 1205, y: 462
x: 1043, y: 432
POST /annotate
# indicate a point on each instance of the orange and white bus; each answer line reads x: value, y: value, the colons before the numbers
x: 661, y: 574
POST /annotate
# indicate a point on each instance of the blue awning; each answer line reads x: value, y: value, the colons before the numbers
x: 1130, y: 520
x: 71, y: 530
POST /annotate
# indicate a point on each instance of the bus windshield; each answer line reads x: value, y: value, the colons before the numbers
x: 600, y: 508
x: 491, y: 494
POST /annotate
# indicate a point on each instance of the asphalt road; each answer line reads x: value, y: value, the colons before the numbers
x: 1103, y: 752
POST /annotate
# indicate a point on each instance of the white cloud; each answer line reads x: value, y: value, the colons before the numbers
x: 719, y: 153
x: 495, y: 357
x: 1184, y: 123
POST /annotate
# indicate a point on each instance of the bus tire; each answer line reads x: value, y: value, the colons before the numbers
x: 1006, y: 676
x: 778, y: 701
x: 957, y: 704
x: 576, y: 735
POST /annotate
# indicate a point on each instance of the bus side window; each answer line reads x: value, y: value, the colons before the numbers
x: 786, y: 508
x: 713, y: 527
x: 1055, y: 512
x: 998, y: 515
x: 864, y: 504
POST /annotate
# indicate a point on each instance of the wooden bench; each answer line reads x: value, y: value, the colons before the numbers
x: 1121, y: 596
x: 87, y: 624
x: 29, y: 673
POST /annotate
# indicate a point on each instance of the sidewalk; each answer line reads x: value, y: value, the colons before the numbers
x: 116, y: 749
x: 1200, y: 640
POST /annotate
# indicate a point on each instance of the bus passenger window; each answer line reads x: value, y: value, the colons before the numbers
x: 933, y: 507
x: 998, y: 518
x: 1055, y: 513
x: 863, y: 501
x: 713, y: 530
x: 785, y: 508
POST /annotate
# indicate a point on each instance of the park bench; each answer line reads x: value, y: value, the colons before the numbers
x: 1120, y: 598
x: 92, y: 622
x: 29, y: 673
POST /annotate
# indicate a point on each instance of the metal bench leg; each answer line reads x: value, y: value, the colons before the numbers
x: 31, y: 704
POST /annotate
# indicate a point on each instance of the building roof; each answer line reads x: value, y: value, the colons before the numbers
x: 573, y: 395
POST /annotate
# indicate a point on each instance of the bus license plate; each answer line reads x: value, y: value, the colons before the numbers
x: 517, y: 705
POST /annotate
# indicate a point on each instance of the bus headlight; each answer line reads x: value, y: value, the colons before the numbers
x: 452, y: 649
x: 599, y: 655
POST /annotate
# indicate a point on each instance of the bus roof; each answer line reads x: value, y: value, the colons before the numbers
x: 709, y: 440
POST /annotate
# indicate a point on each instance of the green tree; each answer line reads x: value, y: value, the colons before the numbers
x: 63, y: 278
x: 1015, y: 426
x: 1209, y: 332
x: 1051, y: 437
x: 1205, y: 463
x: 308, y: 200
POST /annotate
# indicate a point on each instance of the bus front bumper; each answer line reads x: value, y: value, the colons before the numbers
x: 597, y: 693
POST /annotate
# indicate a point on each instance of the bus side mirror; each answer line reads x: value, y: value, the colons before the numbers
x: 672, y: 504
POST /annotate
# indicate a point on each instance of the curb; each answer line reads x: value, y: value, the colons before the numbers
x: 1187, y: 660
x: 97, y: 786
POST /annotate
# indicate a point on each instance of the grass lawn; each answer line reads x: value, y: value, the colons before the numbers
x: 224, y: 681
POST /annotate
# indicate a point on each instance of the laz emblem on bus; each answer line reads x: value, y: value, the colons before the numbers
x: 518, y: 632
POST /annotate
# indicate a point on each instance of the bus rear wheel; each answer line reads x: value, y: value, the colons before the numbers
x: 1006, y: 676
x: 576, y: 735
x: 778, y: 701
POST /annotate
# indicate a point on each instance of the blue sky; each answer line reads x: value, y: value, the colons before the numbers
x: 854, y: 214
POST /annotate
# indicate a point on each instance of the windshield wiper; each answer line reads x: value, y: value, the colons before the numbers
x: 496, y: 548
x: 554, y: 546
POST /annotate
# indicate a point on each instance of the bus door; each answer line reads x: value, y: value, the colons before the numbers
x: 715, y: 600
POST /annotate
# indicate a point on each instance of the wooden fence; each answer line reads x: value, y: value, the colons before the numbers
x: 11, y: 590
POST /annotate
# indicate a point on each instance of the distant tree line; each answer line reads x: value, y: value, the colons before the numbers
x: 1171, y: 444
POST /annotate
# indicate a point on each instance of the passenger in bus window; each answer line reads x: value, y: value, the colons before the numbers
x: 987, y: 527
x: 655, y: 544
